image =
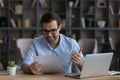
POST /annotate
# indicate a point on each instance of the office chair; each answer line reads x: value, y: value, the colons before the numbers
x: 115, y: 65
x: 1, y: 66
x: 22, y: 45
x: 89, y: 46
x: 112, y: 44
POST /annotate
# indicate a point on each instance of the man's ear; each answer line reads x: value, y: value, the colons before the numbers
x: 60, y: 27
x: 63, y: 24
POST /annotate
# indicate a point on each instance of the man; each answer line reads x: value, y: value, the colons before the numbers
x: 66, y: 49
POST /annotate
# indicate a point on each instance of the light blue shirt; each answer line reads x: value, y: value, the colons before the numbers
x: 66, y: 46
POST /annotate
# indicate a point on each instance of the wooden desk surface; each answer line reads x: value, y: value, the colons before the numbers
x: 21, y: 76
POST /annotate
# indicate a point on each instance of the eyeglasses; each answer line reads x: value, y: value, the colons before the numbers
x: 52, y: 31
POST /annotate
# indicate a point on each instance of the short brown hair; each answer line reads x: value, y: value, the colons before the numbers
x: 50, y: 16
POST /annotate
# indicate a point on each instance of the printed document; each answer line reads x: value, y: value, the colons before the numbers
x: 50, y: 63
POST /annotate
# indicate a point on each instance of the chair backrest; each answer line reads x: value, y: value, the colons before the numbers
x: 1, y: 66
x: 112, y: 44
x: 22, y: 45
x: 89, y: 45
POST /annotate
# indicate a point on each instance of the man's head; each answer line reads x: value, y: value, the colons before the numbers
x: 51, y: 26
x: 50, y: 16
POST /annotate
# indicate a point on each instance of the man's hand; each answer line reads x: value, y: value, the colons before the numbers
x: 35, y: 67
x: 75, y: 57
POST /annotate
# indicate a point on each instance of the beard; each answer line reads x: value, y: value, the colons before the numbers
x: 52, y: 40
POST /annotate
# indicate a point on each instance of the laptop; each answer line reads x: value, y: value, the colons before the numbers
x: 94, y: 65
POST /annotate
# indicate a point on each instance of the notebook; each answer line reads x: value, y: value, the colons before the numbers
x: 94, y: 65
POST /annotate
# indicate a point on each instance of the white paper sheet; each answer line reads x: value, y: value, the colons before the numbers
x: 50, y: 63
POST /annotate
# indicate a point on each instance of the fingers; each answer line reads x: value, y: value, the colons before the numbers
x: 75, y: 57
x: 80, y: 51
x: 35, y: 67
x: 74, y: 61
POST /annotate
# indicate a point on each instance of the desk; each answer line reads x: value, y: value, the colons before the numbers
x: 22, y: 76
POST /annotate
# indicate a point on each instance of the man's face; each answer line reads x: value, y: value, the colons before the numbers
x: 51, y: 31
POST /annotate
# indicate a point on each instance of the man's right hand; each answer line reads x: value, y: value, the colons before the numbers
x: 35, y: 67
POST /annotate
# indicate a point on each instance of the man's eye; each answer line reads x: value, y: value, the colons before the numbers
x: 53, y: 30
x: 45, y: 30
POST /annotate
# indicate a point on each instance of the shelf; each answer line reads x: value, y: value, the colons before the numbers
x: 81, y: 21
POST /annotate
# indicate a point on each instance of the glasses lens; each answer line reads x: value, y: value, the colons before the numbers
x: 51, y: 31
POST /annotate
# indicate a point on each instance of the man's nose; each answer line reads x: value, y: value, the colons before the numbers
x: 49, y: 34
